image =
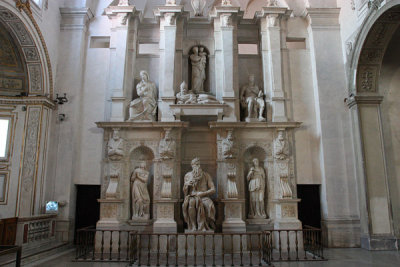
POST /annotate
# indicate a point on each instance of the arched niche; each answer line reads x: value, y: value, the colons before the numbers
x: 20, y: 31
x: 142, y: 154
x: 249, y: 154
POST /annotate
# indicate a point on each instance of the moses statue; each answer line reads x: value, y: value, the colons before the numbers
x: 198, y: 208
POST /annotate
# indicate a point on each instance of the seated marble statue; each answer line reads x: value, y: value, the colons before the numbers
x: 115, y: 147
x: 252, y: 99
x: 144, y: 108
x: 185, y: 96
x: 198, y: 208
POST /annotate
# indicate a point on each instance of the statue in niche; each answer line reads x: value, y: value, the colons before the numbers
x: 228, y: 146
x: 144, y: 108
x: 256, y: 179
x: 280, y: 146
x: 140, y: 194
x: 115, y: 146
x: 198, y: 60
x: 167, y: 146
x: 198, y: 7
x: 185, y: 96
x: 198, y: 208
x: 252, y: 99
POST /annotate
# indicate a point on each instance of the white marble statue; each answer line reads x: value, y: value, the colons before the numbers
x: 198, y: 7
x: 256, y: 179
x: 198, y: 208
x: 252, y: 99
x: 140, y: 194
x: 144, y: 108
x: 167, y: 146
x: 170, y: 2
x: 226, y: 3
x: 185, y: 96
x: 115, y: 147
x: 280, y: 146
x: 198, y: 60
x: 228, y: 146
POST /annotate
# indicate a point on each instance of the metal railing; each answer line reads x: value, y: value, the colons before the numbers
x: 6, y: 250
x: 183, y: 249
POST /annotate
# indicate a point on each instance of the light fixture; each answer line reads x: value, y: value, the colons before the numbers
x: 61, y: 99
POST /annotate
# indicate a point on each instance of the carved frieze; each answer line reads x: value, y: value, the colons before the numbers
x: 21, y: 33
x: 31, y: 54
x: 366, y: 78
x: 35, y: 78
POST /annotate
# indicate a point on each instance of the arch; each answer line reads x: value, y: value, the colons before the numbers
x: 370, y: 45
x: 27, y: 36
x: 142, y: 153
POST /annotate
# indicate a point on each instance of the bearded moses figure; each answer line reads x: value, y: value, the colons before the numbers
x: 198, y: 208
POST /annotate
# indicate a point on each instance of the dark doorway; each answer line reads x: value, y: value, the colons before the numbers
x: 309, y: 206
x: 87, y: 207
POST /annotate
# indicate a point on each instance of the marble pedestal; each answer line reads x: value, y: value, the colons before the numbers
x: 109, y: 210
x: 233, y: 221
x: 287, y: 219
x: 165, y: 222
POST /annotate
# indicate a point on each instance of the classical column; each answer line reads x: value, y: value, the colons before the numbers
x: 270, y: 28
x: 70, y: 70
x: 170, y: 64
x: 226, y: 59
x: 339, y: 203
x: 375, y: 210
x: 121, y: 25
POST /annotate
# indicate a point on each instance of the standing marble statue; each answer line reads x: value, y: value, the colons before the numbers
x: 144, y: 108
x: 252, y: 99
x: 198, y: 61
x: 140, y: 194
x: 167, y: 146
x: 280, y: 147
x: 115, y: 147
x: 228, y: 146
x: 198, y: 208
x: 256, y: 179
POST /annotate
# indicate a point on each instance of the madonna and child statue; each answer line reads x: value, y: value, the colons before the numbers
x: 198, y: 208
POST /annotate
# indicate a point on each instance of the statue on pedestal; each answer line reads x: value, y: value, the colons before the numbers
x: 252, y: 99
x: 198, y: 60
x: 256, y: 179
x: 228, y: 146
x: 140, y: 194
x: 198, y: 208
x: 144, y: 108
x: 115, y: 147
x: 167, y: 146
x: 280, y: 146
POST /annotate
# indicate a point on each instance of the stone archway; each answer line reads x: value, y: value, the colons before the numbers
x: 27, y: 37
x: 365, y: 102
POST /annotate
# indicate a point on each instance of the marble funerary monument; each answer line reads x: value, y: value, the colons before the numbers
x: 197, y: 149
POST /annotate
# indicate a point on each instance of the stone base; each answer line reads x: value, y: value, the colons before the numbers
x: 187, y: 231
x: 233, y: 216
x: 255, y: 119
x: 379, y: 242
x: 141, y: 225
x: 234, y: 226
x: 255, y: 225
x: 165, y: 226
x: 294, y: 236
x: 341, y: 233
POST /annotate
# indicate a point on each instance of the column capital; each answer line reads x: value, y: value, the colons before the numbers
x: 272, y: 15
x: 75, y: 18
x: 322, y: 17
x: 364, y: 99
x: 225, y: 14
x: 119, y: 14
x: 168, y: 14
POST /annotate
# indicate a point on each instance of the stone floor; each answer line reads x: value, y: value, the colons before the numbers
x: 337, y: 257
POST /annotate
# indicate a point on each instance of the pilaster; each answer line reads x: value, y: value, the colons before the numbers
x: 333, y: 128
x: 375, y: 210
x: 121, y: 23
x: 270, y: 20
x: 170, y: 24
x: 70, y: 71
x: 226, y: 58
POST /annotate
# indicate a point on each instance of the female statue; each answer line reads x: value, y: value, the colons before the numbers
x: 198, y: 61
x: 144, y: 108
x: 140, y: 194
